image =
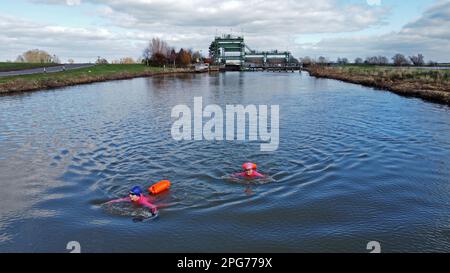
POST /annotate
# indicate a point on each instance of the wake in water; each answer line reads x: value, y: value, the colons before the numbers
x: 248, y: 181
x: 139, y: 214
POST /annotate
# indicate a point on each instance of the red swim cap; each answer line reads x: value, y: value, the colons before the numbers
x: 249, y: 165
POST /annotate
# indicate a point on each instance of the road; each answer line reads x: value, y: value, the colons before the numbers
x: 41, y: 70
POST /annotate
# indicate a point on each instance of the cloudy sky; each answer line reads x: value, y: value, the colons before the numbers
x: 85, y: 29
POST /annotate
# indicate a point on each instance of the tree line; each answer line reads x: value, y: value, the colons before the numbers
x: 160, y: 53
x: 397, y: 60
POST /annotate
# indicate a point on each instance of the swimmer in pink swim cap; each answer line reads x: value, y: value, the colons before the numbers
x: 249, y: 171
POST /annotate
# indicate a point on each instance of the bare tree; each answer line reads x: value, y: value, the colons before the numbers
x: 157, y: 52
x: 37, y: 56
x: 70, y: 61
x: 127, y: 60
x: 322, y: 60
x: 20, y: 59
x: 382, y: 60
x: 432, y: 63
x: 371, y: 60
x: 101, y: 60
x: 400, y: 60
x: 55, y: 59
x: 158, y: 46
x: 377, y: 60
x: 306, y: 61
x: 342, y: 61
x: 359, y: 61
x: 146, y: 56
x: 418, y: 60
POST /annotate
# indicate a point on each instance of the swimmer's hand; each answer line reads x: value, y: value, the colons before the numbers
x: 154, y: 211
x: 138, y: 219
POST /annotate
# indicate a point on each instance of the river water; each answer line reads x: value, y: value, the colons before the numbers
x: 354, y: 165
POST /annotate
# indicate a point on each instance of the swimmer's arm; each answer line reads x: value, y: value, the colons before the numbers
x: 259, y: 175
x: 125, y: 199
x: 237, y: 175
x: 149, y: 205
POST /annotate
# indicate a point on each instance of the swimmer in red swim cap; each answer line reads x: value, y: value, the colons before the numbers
x: 249, y: 171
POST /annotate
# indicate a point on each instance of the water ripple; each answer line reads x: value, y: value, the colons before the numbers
x: 353, y: 165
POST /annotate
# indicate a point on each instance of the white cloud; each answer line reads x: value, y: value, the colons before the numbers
x: 73, y: 2
x: 374, y: 2
x: 56, y: 2
x: 429, y: 35
x: 17, y: 36
x: 252, y: 15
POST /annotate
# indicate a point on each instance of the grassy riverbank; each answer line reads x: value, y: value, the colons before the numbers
x: 429, y: 84
x: 22, y: 66
x: 96, y: 73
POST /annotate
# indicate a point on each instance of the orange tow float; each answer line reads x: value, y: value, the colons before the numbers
x: 159, y: 187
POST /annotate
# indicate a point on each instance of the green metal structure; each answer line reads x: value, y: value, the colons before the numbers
x: 232, y: 51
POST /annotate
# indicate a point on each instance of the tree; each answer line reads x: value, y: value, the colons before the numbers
x: 377, y: 60
x: 432, y: 63
x: 196, y: 57
x: 418, y: 60
x: 372, y: 60
x: 70, y: 61
x: 183, y: 58
x: 37, y: 56
x: 146, y: 56
x: 127, y: 60
x: 101, y: 60
x: 382, y: 60
x: 400, y: 60
x: 173, y: 57
x: 342, y: 61
x: 359, y: 61
x: 158, y: 46
x: 213, y: 51
x: 322, y: 60
x: 157, y: 52
x: 20, y: 59
x: 307, y: 61
x: 55, y: 59
x: 158, y: 59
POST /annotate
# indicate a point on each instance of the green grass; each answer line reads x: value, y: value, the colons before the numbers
x: 94, y: 71
x: 397, y: 73
x: 22, y: 66
x: 97, y: 73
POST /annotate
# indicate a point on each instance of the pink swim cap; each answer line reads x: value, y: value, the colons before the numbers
x: 249, y: 165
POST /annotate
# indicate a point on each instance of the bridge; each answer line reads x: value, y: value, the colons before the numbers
x: 232, y: 52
